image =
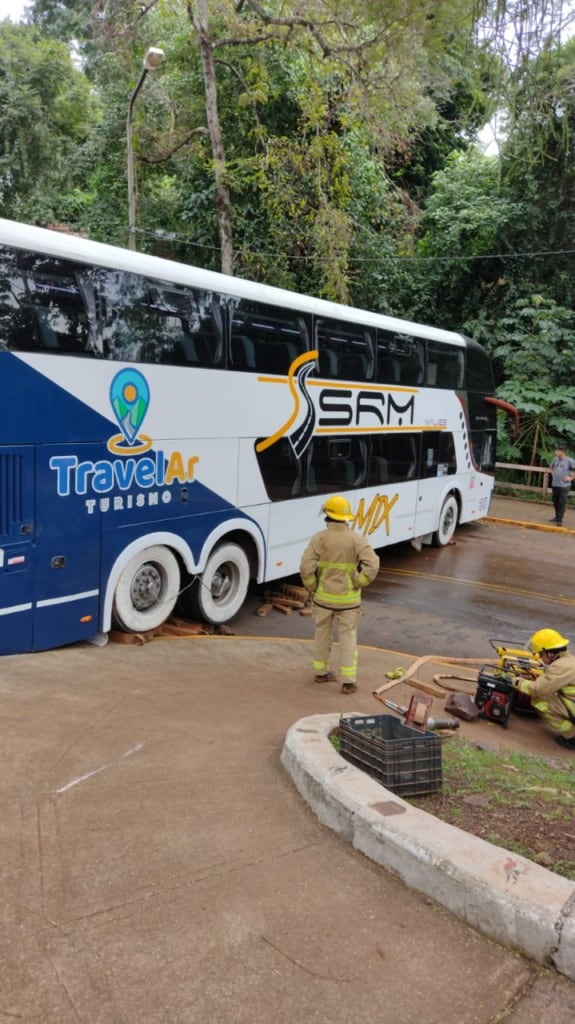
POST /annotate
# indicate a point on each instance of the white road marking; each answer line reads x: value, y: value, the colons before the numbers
x: 89, y: 775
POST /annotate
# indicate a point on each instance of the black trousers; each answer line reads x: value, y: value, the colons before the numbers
x: 559, y: 495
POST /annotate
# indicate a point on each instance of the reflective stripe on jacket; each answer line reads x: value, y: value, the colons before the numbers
x: 559, y: 678
x: 336, y: 565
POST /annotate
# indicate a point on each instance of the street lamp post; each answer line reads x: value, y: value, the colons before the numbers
x: 152, y: 60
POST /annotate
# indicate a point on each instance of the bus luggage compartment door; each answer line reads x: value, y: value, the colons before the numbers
x: 69, y: 517
x: 17, y: 531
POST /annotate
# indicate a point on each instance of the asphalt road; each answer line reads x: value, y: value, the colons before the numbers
x: 495, y: 581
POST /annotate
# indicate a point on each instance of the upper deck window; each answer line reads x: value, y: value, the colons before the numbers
x: 59, y: 306
x: 43, y: 304
x: 478, y: 370
x: 345, y: 350
x: 148, y: 321
x: 445, y: 365
x: 400, y: 359
x: 264, y: 339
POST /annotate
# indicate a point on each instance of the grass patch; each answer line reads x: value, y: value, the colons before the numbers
x: 510, y: 778
x: 523, y: 803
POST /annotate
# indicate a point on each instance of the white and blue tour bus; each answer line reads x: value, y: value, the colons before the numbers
x: 168, y: 435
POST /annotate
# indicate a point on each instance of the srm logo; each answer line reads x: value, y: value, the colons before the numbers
x: 343, y: 408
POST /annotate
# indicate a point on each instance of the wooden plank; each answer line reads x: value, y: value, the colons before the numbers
x: 287, y: 602
x: 432, y: 688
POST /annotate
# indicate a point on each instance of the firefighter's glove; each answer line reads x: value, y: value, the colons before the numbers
x: 396, y: 673
x: 522, y: 685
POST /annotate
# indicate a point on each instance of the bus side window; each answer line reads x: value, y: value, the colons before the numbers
x: 387, y: 371
x: 446, y: 456
x: 264, y: 339
x: 445, y: 367
x: 327, y: 364
x: 335, y: 464
x: 130, y: 332
x: 276, y: 358
x: 187, y: 326
x: 43, y: 305
x: 345, y: 350
x: 393, y: 458
x: 146, y: 321
x: 243, y: 353
x: 354, y: 366
x: 438, y: 454
x: 400, y: 359
x: 280, y: 469
x: 378, y: 464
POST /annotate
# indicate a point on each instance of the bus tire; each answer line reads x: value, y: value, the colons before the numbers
x: 147, y: 590
x: 219, y: 593
x: 448, y: 518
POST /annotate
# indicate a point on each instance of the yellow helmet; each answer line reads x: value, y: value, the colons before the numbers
x: 546, y: 640
x: 338, y: 508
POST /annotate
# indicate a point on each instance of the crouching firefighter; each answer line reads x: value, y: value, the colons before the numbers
x: 552, y: 693
x: 335, y: 567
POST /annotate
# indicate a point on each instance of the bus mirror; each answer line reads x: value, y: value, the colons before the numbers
x: 511, y: 413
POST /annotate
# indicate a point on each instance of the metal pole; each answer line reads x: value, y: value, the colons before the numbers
x: 130, y: 164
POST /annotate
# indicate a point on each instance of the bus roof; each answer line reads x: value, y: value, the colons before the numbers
x: 69, y: 246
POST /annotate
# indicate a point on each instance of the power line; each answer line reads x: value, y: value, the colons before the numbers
x: 529, y: 254
x: 160, y: 235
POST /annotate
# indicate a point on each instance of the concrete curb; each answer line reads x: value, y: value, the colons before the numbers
x: 528, y: 524
x: 506, y: 897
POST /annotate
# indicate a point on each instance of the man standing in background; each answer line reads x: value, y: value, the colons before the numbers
x: 562, y: 468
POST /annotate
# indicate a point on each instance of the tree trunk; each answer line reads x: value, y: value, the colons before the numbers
x: 223, y: 204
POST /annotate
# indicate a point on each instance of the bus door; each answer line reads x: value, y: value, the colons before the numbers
x: 17, y: 531
x: 437, y: 461
x: 68, y: 516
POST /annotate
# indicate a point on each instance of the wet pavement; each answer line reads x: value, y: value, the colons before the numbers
x: 496, y: 581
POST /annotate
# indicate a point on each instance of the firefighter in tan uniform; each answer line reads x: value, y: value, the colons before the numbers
x: 335, y: 566
x: 553, y: 692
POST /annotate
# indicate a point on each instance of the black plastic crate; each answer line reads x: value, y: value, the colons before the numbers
x: 405, y: 760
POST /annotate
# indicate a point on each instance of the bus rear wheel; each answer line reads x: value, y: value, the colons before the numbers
x: 147, y: 590
x: 447, y: 522
x: 219, y: 593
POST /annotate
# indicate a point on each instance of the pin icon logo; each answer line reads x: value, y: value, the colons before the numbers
x: 130, y: 399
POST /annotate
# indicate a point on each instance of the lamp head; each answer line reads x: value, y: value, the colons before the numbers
x: 153, y: 58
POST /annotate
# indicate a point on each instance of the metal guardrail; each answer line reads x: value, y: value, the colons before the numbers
x: 541, y: 487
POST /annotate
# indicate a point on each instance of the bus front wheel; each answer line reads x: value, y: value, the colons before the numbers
x: 147, y: 590
x: 219, y: 593
x: 447, y: 522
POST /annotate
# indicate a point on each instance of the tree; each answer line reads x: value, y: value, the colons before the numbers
x: 536, y: 347
x: 537, y: 168
x: 458, y: 270
x: 46, y: 116
x: 381, y: 72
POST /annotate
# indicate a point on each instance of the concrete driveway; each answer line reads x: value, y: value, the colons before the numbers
x: 158, y: 867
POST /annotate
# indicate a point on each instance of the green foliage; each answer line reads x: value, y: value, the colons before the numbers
x: 536, y: 339
x: 537, y: 171
x: 457, y: 269
x: 47, y: 113
x: 535, y: 349
x: 347, y: 160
